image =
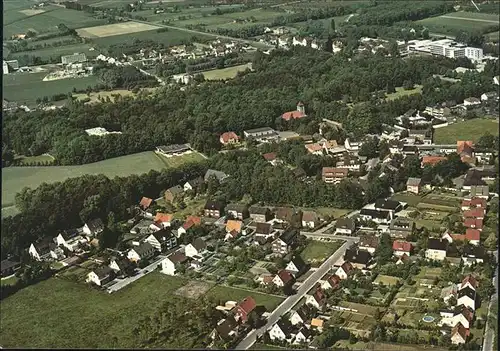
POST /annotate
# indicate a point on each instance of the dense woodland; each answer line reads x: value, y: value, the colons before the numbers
x: 327, y: 84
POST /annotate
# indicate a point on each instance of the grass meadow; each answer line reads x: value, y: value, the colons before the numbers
x: 225, y: 73
x: 456, y: 21
x: 468, y: 130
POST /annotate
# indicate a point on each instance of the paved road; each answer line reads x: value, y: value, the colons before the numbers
x: 489, y: 334
x: 470, y: 19
x: 146, y: 270
x: 291, y: 301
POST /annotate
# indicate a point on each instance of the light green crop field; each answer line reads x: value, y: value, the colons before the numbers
x: 468, y: 130
x: 400, y: 91
x: 47, y: 21
x: 27, y: 87
x: 14, y: 179
x: 460, y: 21
x: 57, y: 52
x: 225, y: 73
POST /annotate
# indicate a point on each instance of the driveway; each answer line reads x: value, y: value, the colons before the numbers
x: 121, y: 283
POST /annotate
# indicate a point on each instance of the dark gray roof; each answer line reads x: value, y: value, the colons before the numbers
x: 143, y: 249
x: 7, y: 264
x: 163, y: 235
x: 413, y: 181
x: 173, y: 148
x: 195, y: 181
x: 214, y: 205
x: 103, y: 272
x: 288, y: 236
x: 437, y: 244
x: 467, y: 291
x: 95, y: 225
x: 263, y: 228
x: 298, y: 262
x: 374, y: 213
x: 258, y: 210
x: 345, y: 223
x: 236, y: 207
x: 226, y: 327
x: 355, y: 255
x: 387, y: 204
x: 217, y: 174
x: 175, y: 190
x: 199, y: 244
x: 285, y: 326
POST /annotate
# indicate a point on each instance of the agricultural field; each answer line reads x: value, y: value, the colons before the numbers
x: 167, y: 38
x: 456, y: 21
x: 467, y: 130
x: 110, y: 30
x: 16, y: 178
x: 493, y: 36
x: 27, y: 87
x: 317, y: 251
x: 47, y: 53
x: 225, y: 73
x: 46, y: 21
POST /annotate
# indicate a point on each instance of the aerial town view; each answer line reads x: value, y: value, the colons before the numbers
x: 250, y: 174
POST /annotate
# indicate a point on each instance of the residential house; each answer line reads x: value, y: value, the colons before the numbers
x: 352, y: 146
x: 466, y: 150
x: 301, y: 315
x: 244, y: 308
x: 377, y: 216
x: 44, y: 250
x: 481, y: 191
x: 263, y: 232
x: 196, y: 249
x: 471, y: 101
x: 173, y: 150
x: 163, y: 219
x: 302, y: 337
x: 400, y: 248
x: 70, y: 239
x: 214, y: 209
x: 314, y: 149
x: 345, y: 226
x: 121, y: 266
x: 226, y: 329
x: 449, y: 292
x: 472, y: 236
x: 144, y: 251
x: 193, y: 184
x: 409, y: 150
x: 459, y: 334
x: 350, y: 162
x: 101, y: 276
x: 467, y: 296
x: 491, y: 95
x: 310, y: 219
x: 271, y: 157
x: 402, y: 259
x: 233, y: 229
x: 475, y: 202
x: 431, y: 160
x: 473, y: 254
x: 332, y: 148
x: 285, y: 242
x: 296, y: 266
x: 436, y: 249
x: 299, y: 113
x: 345, y: 270
x: 145, y: 203
x: 317, y: 324
x: 262, y: 135
x: 93, y: 227
x: 401, y: 227
x: 317, y: 299
x: 169, y: 264
x: 469, y: 281
x: 259, y: 214
x: 413, y: 185
x: 368, y: 243
x: 280, y: 331
x: 190, y: 222
x: 388, y: 205
x: 477, y: 213
x: 473, y: 223
x: 331, y: 282
x: 288, y: 215
x: 162, y: 240
x: 461, y: 314
x: 220, y: 176
x: 332, y: 175
x: 238, y: 211
x: 9, y: 267
x: 283, y: 278
x: 229, y: 138
x: 173, y: 193
x: 357, y: 258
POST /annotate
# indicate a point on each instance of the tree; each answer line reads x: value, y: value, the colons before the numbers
x: 332, y: 25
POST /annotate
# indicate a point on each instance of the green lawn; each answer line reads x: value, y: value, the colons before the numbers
x: 60, y: 314
x: 14, y: 179
x: 9, y: 281
x: 225, y: 73
x: 456, y: 21
x: 176, y: 161
x: 400, y: 91
x: 468, y: 130
x: 26, y: 160
x: 27, y: 87
x: 317, y: 251
x: 411, y: 199
x: 226, y: 293
x: 386, y: 280
x: 331, y: 211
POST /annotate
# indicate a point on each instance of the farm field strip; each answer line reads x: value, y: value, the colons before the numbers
x: 109, y: 30
x: 470, y: 19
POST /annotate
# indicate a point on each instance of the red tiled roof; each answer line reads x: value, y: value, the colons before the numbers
x: 336, y: 171
x: 293, y: 115
x: 400, y: 245
x: 472, y: 234
x: 191, y: 221
x: 474, y: 202
x: 145, y: 202
x: 347, y: 267
x: 474, y: 213
x: 313, y: 147
x: 460, y: 329
x: 268, y: 279
x: 470, y: 279
x: 319, y: 296
x: 248, y: 304
x: 334, y: 280
x: 285, y: 276
x: 270, y: 156
x: 163, y: 217
x: 432, y: 160
x: 229, y: 136
x: 473, y: 223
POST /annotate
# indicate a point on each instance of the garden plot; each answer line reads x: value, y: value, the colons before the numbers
x: 194, y: 289
x: 386, y: 280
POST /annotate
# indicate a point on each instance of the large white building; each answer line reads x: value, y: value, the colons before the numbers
x: 447, y: 48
